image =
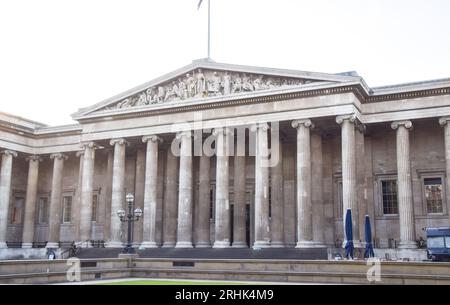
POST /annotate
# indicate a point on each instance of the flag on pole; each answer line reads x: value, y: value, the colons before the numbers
x: 199, y: 4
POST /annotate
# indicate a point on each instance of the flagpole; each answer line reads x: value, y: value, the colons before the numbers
x: 209, y: 28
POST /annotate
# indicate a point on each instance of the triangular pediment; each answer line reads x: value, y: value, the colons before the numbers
x: 205, y: 79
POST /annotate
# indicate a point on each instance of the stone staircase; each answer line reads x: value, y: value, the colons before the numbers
x: 210, y: 253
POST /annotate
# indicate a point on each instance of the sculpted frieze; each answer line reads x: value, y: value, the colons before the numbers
x: 203, y: 84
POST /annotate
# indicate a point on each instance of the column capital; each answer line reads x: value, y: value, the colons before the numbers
x: 79, y: 153
x: 306, y: 123
x: 362, y: 128
x: 90, y: 144
x: 264, y: 126
x: 8, y: 152
x: 184, y: 133
x: 444, y: 121
x: 352, y: 118
x: 397, y: 124
x: 120, y: 141
x: 59, y: 156
x: 152, y: 138
x: 33, y: 158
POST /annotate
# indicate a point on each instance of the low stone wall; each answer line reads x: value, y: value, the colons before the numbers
x: 413, y: 255
x: 55, y: 271
x: 391, y: 272
x: 417, y: 255
x: 19, y: 253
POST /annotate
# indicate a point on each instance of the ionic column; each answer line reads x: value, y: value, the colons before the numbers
x: 77, y: 211
x: 276, y: 178
x: 5, y: 190
x: 239, y: 229
x: 444, y: 122
x: 222, y: 217
x: 304, y: 206
x: 87, y: 180
x: 404, y: 186
x: 55, y: 200
x: 150, y: 191
x: 139, y: 194
x: 108, y: 193
x: 118, y: 192
x: 170, y: 206
x: 184, y: 231
x: 349, y: 191
x: 30, y: 201
x: 203, y: 225
x: 317, y: 190
x: 262, y: 229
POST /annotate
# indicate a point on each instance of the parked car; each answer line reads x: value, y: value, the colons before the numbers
x: 438, y: 244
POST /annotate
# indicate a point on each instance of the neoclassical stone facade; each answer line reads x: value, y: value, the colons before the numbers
x: 221, y: 155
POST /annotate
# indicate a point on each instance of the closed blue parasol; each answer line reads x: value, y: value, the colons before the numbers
x: 368, y: 234
x: 349, y: 247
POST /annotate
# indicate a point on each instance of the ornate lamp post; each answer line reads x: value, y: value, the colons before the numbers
x: 131, y: 217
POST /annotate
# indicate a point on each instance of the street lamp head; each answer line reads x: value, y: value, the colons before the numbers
x: 121, y: 213
x: 129, y: 198
x: 138, y: 212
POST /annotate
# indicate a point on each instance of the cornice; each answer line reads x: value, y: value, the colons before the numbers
x: 40, y: 133
x: 407, y: 95
x: 213, y: 103
x: 356, y: 88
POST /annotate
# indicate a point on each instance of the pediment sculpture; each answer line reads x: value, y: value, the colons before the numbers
x: 203, y: 84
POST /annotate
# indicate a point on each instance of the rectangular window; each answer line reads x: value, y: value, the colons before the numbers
x: 43, y: 210
x: 16, y: 213
x: 94, y: 207
x: 447, y: 242
x: 211, y: 204
x: 389, y: 197
x: 67, y: 209
x: 435, y: 242
x: 340, y: 203
x: 433, y: 195
x: 270, y: 202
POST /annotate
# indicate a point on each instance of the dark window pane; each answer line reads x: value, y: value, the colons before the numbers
x: 389, y: 197
x: 433, y: 194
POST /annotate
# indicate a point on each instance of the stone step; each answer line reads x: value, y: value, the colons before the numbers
x: 210, y: 253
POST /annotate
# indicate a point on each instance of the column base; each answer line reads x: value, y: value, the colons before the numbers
x: 320, y: 245
x: 3, y: 245
x: 27, y: 245
x: 114, y: 244
x: 408, y: 244
x: 184, y: 244
x: 148, y: 245
x: 221, y: 244
x: 261, y: 244
x: 203, y: 244
x: 239, y: 244
x: 52, y: 245
x: 168, y: 244
x: 277, y: 244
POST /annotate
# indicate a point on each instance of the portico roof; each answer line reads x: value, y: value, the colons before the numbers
x: 270, y: 80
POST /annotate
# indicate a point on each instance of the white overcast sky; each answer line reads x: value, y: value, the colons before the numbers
x: 58, y: 55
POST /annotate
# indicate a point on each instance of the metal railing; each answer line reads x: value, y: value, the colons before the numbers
x: 75, y: 248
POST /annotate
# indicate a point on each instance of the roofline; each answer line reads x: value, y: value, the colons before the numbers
x: 21, y: 121
x: 418, y: 85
